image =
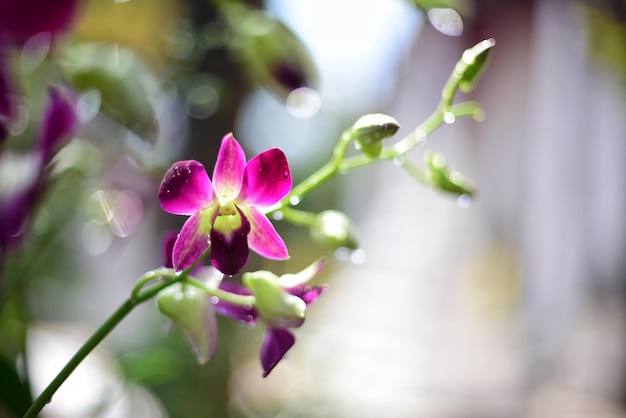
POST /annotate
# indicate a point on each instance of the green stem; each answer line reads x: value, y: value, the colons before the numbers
x: 221, y: 294
x: 137, y: 297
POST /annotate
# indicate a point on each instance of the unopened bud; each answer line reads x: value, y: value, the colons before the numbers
x: 369, y: 131
x: 334, y: 229
x: 275, y: 305
x: 441, y: 178
x: 271, y: 53
x: 472, y: 64
x: 189, y: 308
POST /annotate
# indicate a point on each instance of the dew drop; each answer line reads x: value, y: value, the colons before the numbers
x: 464, y: 201
x: 294, y: 200
x: 278, y: 215
x: 420, y: 135
x: 399, y: 160
x: 215, y: 300
x: 449, y: 117
x: 286, y: 172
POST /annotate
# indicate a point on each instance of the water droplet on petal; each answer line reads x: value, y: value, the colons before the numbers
x: 248, y: 307
x: 464, y: 201
x: 215, y: 300
x: 286, y: 172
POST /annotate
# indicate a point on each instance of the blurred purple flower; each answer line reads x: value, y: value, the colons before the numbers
x: 20, y: 21
x: 23, y: 19
x: 59, y: 124
x: 227, y: 214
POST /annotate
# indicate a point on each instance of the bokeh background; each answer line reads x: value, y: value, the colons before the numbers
x: 511, y: 306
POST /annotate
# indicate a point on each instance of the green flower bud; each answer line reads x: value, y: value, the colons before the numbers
x: 472, y: 64
x: 370, y: 130
x: 439, y: 176
x: 189, y: 308
x: 271, y: 53
x: 334, y: 229
x: 276, y: 306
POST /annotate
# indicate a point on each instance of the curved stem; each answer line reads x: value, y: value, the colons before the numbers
x: 221, y: 294
x: 125, y: 308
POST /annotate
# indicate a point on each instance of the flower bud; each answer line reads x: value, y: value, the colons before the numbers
x: 334, y: 229
x: 472, y: 64
x: 189, y: 308
x: 370, y: 130
x: 440, y: 177
x: 270, y: 52
x: 276, y: 306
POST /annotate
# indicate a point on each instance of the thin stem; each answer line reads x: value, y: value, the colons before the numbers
x: 96, y: 338
x: 221, y: 294
x: 415, y: 172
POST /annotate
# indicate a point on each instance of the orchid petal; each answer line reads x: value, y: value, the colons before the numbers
x: 229, y: 248
x: 275, y: 345
x: 307, y: 293
x: 186, y: 188
x: 60, y: 122
x: 267, y: 178
x: 263, y: 238
x: 193, y: 239
x: 229, y: 168
x: 247, y: 314
x: 169, y: 240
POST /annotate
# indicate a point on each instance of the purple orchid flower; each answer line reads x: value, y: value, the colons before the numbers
x: 227, y: 215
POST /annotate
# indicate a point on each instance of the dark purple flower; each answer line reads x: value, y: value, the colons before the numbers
x: 23, y: 19
x: 227, y: 215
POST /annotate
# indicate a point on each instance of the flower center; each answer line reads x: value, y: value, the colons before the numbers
x: 228, y: 219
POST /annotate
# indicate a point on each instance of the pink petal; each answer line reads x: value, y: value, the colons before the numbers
x: 229, y: 249
x: 193, y: 239
x: 267, y: 178
x: 185, y: 188
x: 229, y: 167
x: 275, y: 345
x: 263, y: 238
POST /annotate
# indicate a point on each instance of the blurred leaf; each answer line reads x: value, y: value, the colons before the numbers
x: 15, y: 397
x: 268, y: 50
x: 122, y: 81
